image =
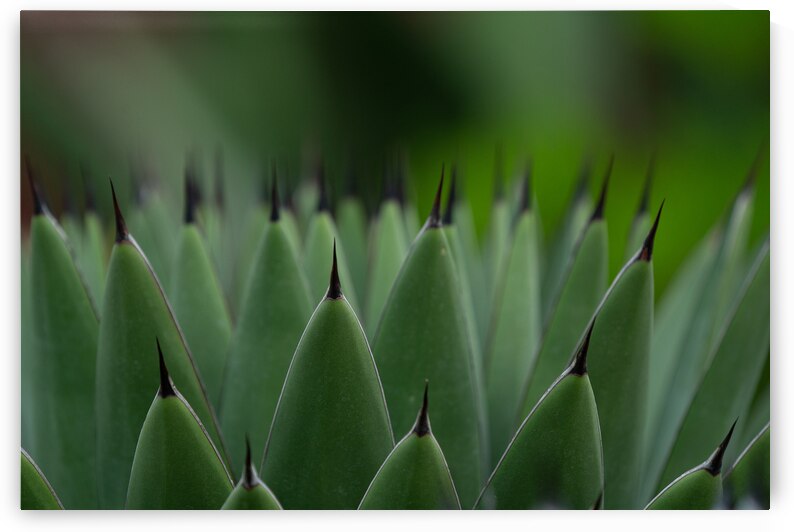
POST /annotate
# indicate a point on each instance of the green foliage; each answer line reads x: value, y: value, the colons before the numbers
x: 63, y: 336
x: 176, y: 466
x: 35, y: 492
x: 331, y: 431
x: 549, y: 388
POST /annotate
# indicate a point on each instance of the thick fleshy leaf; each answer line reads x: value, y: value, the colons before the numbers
x: 251, y: 493
x: 93, y: 257
x: 200, y: 309
x: 415, y: 475
x: 747, y: 484
x: 255, y: 224
x: 63, y: 338
x: 585, y: 285
x: 726, y: 390
x: 555, y: 459
x: 564, y: 242
x: 320, y: 238
x: 515, y: 332
x: 135, y: 312
x: 756, y: 418
x: 176, y: 466
x: 495, y: 250
x: 700, y: 488
x: 672, y: 317
x: 26, y: 349
x: 422, y: 335
x: 275, y: 310
x: 35, y: 492
x: 619, y: 358
x: 389, y: 247
x: 157, y: 227
x: 330, y: 432
x: 352, y: 223
x: 691, y: 358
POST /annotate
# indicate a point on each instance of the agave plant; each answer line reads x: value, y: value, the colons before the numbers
x: 547, y: 385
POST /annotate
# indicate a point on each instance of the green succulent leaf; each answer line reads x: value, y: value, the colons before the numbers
x: 564, y: 243
x: 672, y: 317
x: 93, y: 256
x: 64, y: 332
x: 747, y: 484
x: 251, y: 493
x: 155, y: 231
x: 273, y: 316
x: 585, y: 285
x: 352, y: 223
x: 331, y: 430
x: 176, y: 466
x: 200, y: 309
x: 35, y: 491
x: 515, y: 331
x: 700, y: 488
x: 320, y: 237
x: 715, y: 299
x: 495, y: 250
x: 619, y: 359
x: 135, y: 311
x: 389, y: 247
x: 415, y: 475
x: 254, y: 227
x: 555, y: 458
x: 727, y: 388
x: 423, y: 335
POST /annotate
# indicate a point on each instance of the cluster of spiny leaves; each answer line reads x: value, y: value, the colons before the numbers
x: 549, y: 387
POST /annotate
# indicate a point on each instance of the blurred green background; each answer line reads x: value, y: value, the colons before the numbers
x: 129, y: 94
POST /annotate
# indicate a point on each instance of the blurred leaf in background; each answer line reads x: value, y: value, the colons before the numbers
x: 125, y: 90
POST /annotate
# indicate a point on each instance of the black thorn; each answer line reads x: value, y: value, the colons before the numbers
x: 434, y: 220
x: 38, y: 205
x: 646, y: 189
x: 579, y: 366
x: 647, y: 247
x: 166, y: 384
x: 334, y: 287
x: 122, y: 233
x: 598, y: 214
x: 323, y: 204
x: 191, y: 198
x: 275, y: 205
x: 526, y: 189
x: 447, y: 220
x: 219, y: 176
x: 597, y: 505
x: 422, y: 425
x: 250, y: 478
x: 714, y: 463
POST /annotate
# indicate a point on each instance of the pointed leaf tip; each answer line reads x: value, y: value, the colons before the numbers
x: 447, y: 220
x: 191, y: 199
x: 122, y: 233
x: 275, y: 211
x: 434, y: 220
x: 38, y: 205
x: 334, y: 287
x: 714, y: 463
x: 598, y: 214
x: 526, y: 189
x: 579, y: 365
x: 647, y: 247
x: 166, y: 385
x: 249, y: 473
x: 422, y: 425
